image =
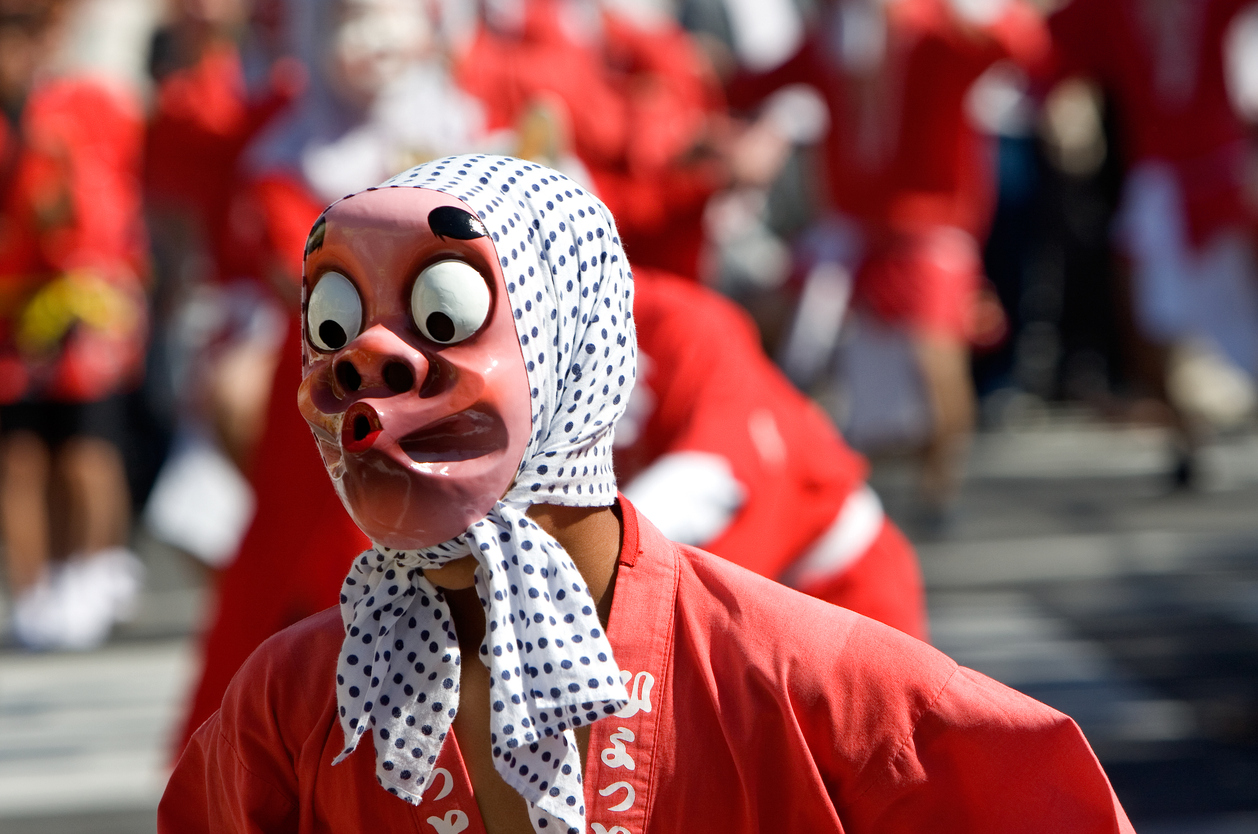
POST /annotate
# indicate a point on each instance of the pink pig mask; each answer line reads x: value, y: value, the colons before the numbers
x: 413, y: 381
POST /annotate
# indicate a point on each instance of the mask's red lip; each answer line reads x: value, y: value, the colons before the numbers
x: 360, y: 428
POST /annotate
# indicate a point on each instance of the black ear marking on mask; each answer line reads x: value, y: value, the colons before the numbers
x: 454, y: 222
x: 314, y: 242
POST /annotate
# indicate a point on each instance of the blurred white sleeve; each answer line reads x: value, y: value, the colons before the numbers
x: 765, y: 32
x: 848, y: 538
x: 1240, y: 61
x: 979, y: 12
x: 690, y: 496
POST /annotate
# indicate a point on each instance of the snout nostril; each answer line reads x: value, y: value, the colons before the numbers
x: 362, y: 427
x: 348, y: 375
x: 398, y: 377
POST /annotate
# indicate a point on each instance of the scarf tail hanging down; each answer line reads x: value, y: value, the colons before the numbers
x: 551, y: 666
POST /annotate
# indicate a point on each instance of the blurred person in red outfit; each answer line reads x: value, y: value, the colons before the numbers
x: 205, y: 111
x: 720, y: 451
x: 379, y: 98
x: 205, y: 114
x: 911, y: 183
x: 1184, y: 224
x: 630, y: 95
x: 72, y: 333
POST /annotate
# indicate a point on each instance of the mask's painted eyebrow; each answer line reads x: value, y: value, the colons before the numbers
x: 453, y: 222
x: 315, y: 241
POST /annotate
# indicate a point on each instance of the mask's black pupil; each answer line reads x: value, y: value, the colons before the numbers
x: 332, y: 334
x: 440, y: 327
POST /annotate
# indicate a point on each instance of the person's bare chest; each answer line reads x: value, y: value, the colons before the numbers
x: 502, y: 810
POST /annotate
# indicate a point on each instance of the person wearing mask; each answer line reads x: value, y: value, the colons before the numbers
x: 521, y: 650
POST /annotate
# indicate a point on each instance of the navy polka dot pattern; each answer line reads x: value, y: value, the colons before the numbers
x: 551, y: 667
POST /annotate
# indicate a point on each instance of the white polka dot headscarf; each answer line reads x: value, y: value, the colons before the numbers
x: 551, y: 666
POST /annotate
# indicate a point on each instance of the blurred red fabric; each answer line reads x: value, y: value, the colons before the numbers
x: 636, y: 102
x: 901, y: 152
x: 203, y: 120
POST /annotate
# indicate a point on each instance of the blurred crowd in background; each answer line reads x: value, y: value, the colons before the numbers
x: 939, y: 215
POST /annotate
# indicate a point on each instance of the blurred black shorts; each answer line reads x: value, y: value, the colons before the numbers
x: 57, y: 422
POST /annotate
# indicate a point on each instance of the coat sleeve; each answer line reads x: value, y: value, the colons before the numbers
x: 984, y: 758
x: 241, y: 771
x: 213, y: 790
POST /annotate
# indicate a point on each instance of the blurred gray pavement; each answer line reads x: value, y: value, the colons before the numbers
x: 85, y: 736
x: 1072, y: 572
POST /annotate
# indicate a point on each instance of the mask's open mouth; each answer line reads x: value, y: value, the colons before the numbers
x: 360, y: 428
x: 462, y: 436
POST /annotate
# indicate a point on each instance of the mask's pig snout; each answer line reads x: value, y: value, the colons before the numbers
x: 378, y: 361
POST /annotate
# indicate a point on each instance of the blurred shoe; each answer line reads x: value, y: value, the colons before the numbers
x: 75, y: 607
x: 37, y: 616
x: 1185, y: 473
x: 97, y: 591
x: 122, y: 574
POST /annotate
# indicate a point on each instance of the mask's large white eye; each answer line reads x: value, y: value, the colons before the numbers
x: 334, y: 313
x: 450, y: 301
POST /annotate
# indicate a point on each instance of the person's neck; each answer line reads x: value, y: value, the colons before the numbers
x: 591, y: 536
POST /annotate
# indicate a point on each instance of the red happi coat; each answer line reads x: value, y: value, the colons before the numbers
x: 753, y: 708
